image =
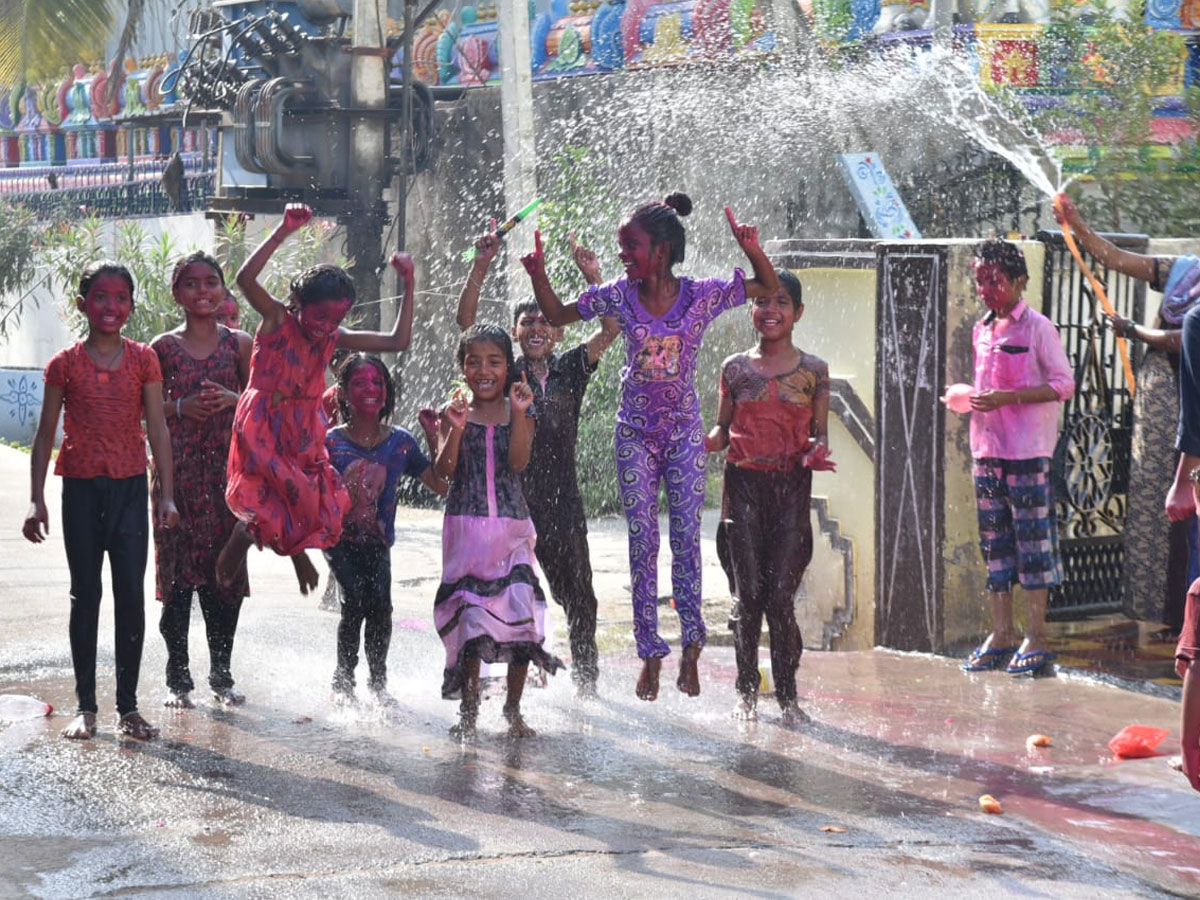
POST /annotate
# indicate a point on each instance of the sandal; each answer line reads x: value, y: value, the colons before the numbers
x: 133, y: 725
x: 986, y: 659
x: 1030, y: 663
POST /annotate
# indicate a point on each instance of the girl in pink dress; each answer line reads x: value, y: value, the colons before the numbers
x: 281, y: 486
x: 490, y: 606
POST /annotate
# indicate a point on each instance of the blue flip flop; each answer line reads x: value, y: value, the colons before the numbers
x: 1029, y: 663
x: 987, y: 660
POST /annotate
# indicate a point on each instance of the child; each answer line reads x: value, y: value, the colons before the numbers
x: 230, y: 314
x: 205, y: 366
x: 105, y: 384
x: 773, y: 418
x: 1021, y: 375
x: 1187, y: 651
x: 550, y: 482
x: 660, y: 436
x: 371, y: 456
x: 281, y: 485
x: 489, y: 606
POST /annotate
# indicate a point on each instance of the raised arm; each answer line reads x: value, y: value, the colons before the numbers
x: 37, y: 519
x: 295, y: 217
x: 765, y: 282
x: 486, y: 248
x: 1105, y: 252
x: 400, y: 336
x: 521, y: 425
x: 556, y: 313
x: 602, y: 339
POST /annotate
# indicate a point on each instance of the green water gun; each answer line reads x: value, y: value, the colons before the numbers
x: 507, y: 226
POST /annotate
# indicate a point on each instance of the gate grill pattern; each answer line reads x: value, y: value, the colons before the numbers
x: 1092, y: 460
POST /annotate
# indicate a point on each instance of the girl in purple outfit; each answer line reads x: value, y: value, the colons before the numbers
x: 660, y: 435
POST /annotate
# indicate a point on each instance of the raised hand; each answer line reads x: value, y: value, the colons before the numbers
x: 520, y: 396
x: 487, y: 245
x: 295, y: 217
x: 403, y: 264
x: 535, y: 262
x: 746, y: 235
x: 586, y: 260
x: 456, y: 411
x: 1065, y: 211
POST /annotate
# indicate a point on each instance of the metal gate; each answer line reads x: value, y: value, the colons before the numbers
x: 1092, y: 457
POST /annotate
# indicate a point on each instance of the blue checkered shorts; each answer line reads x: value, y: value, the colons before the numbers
x: 1018, y: 529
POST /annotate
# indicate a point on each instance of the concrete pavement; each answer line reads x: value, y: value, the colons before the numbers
x: 291, y: 796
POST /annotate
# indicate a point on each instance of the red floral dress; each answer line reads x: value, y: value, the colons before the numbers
x: 186, y: 557
x: 281, y: 483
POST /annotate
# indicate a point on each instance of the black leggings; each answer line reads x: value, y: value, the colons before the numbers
x: 106, y: 515
x: 765, y: 543
x: 220, y: 624
x: 364, y: 570
x: 563, y: 555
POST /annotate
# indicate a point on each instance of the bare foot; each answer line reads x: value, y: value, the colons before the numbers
x: 179, y: 700
x: 233, y: 555
x: 586, y: 690
x: 133, y: 725
x: 689, y: 671
x: 647, y: 684
x: 229, y: 697
x: 1175, y: 762
x: 465, y: 729
x: 81, y: 728
x: 306, y: 572
x: 383, y: 699
x: 746, y: 709
x: 516, y: 724
x: 793, y: 715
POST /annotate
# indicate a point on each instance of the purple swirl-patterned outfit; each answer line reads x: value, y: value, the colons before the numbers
x: 660, y: 436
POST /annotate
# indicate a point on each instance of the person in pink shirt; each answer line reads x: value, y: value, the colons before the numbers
x: 1021, y: 376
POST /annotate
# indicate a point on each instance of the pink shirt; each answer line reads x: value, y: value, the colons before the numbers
x: 1020, y: 350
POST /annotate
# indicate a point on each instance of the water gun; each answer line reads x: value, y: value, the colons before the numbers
x: 507, y: 226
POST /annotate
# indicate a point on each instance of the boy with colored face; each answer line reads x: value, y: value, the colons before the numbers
x: 1021, y: 375
x: 550, y: 482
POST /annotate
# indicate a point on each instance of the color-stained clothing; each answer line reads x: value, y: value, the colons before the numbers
x: 660, y: 436
x: 281, y: 483
x: 102, y: 411
x: 772, y: 416
x: 551, y: 486
x: 1187, y: 436
x: 488, y: 604
x: 185, y: 557
x: 371, y: 475
x: 1188, y: 646
x: 1020, y: 350
x: 1018, y: 524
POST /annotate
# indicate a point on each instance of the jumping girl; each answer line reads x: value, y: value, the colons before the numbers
x: 660, y: 435
x: 281, y: 487
x: 490, y: 606
x: 105, y: 385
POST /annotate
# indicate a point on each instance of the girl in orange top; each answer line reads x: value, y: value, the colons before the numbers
x: 281, y: 486
x: 105, y: 384
x: 772, y: 418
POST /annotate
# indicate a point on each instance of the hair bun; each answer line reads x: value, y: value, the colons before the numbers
x: 680, y: 202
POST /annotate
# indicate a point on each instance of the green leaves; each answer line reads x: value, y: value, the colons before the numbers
x: 43, y: 38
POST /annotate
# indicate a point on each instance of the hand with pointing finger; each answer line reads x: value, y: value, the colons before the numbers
x: 586, y: 260
x: 746, y: 235
x: 487, y: 245
x: 535, y: 262
x: 520, y: 396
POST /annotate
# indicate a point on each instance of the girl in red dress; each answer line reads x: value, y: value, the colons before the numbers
x: 281, y: 486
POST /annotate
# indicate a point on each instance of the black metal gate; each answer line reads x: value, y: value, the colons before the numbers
x: 1092, y: 458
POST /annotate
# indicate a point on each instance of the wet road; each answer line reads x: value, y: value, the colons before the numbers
x: 290, y: 796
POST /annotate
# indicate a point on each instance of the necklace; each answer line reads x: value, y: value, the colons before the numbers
x: 106, y: 365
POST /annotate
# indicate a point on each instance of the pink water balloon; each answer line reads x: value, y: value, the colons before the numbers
x: 958, y: 398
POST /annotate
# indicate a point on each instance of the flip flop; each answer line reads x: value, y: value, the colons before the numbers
x: 1028, y: 663
x: 989, y: 659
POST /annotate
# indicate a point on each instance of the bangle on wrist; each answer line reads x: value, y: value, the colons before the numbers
x: 178, y: 408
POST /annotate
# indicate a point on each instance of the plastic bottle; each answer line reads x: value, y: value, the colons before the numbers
x: 15, y: 707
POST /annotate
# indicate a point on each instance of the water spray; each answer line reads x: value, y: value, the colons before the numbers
x: 1098, y: 290
x: 507, y: 226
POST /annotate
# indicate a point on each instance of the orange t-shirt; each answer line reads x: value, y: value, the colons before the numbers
x: 102, y: 411
x: 772, y: 417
